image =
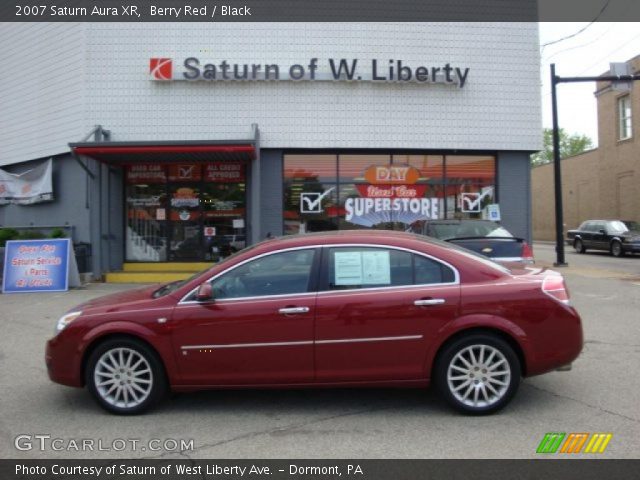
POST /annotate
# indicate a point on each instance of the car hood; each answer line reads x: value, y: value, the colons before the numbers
x: 635, y: 234
x: 121, y: 298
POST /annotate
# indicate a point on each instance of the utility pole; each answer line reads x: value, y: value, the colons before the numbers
x: 555, y: 80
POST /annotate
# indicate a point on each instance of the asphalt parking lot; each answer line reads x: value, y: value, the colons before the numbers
x: 599, y: 395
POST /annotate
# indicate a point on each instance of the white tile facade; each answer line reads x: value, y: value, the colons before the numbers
x: 42, y: 89
x: 498, y: 108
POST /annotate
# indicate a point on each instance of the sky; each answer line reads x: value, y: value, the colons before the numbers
x: 586, y: 54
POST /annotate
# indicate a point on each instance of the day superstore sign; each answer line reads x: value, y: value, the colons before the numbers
x: 391, y: 193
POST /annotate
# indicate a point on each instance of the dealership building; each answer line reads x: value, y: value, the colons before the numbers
x: 160, y: 144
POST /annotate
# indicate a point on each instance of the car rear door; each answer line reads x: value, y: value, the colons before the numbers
x: 259, y: 327
x: 378, y: 311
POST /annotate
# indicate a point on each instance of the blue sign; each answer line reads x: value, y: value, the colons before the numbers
x: 36, y: 265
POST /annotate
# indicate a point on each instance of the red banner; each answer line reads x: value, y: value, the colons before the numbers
x: 224, y: 172
x: 146, y: 173
x: 185, y: 172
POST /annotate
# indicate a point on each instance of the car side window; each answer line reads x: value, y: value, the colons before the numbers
x: 276, y: 274
x: 428, y: 271
x: 367, y: 267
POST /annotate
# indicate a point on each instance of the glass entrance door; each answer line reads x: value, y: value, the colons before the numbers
x: 185, y: 212
x: 185, y: 220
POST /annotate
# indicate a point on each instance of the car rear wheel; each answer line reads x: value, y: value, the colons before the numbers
x: 478, y: 374
x: 125, y: 376
x: 616, y: 249
x: 579, y: 246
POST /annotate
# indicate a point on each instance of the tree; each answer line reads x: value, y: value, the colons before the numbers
x: 569, y: 145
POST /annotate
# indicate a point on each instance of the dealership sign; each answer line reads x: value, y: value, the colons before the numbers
x: 38, y: 266
x: 330, y: 69
x: 391, y: 194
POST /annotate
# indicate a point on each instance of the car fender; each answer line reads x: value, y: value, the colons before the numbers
x: 160, y: 343
x: 476, y: 321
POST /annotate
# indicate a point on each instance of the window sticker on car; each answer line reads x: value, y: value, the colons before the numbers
x: 362, y: 268
x: 376, y: 268
x: 348, y: 268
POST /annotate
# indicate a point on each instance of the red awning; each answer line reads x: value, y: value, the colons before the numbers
x: 166, y: 152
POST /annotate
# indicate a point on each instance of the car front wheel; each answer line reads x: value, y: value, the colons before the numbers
x: 579, y: 246
x: 125, y: 376
x: 478, y: 374
x: 616, y: 249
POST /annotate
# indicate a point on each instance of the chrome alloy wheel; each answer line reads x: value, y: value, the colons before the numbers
x: 123, y: 377
x: 479, y: 376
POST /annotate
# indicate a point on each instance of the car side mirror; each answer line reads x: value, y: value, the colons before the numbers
x: 603, y: 231
x: 204, y: 293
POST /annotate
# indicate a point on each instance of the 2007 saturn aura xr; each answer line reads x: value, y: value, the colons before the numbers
x: 349, y: 308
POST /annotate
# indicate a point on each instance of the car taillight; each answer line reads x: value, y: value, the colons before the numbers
x: 554, y: 286
x: 527, y: 253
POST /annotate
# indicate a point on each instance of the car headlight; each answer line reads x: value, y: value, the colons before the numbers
x: 66, y: 320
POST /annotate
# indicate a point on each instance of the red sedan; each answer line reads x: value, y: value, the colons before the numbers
x: 349, y: 308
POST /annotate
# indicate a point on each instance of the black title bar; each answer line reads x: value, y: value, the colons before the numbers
x: 213, y: 469
x: 318, y: 10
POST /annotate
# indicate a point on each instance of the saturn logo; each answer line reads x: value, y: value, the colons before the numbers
x: 161, y: 68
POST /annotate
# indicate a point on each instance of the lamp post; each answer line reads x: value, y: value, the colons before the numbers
x: 555, y: 80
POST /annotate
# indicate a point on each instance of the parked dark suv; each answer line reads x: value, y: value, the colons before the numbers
x: 615, y: 236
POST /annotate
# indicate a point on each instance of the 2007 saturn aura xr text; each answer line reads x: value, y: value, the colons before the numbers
x: 348, y: 308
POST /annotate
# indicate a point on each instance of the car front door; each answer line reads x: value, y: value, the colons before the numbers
x: 258, y: 329
x: 378, y: 311
x: 600, y: 236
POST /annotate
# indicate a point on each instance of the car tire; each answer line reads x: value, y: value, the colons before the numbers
x: 616, y: 249
x: 579, y: 246
x: 464, y: 377
x: 125, y: 376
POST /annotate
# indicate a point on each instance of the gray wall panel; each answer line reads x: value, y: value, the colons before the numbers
x: 68, y: 208
x: 271, y: 204
x: 514, y: 192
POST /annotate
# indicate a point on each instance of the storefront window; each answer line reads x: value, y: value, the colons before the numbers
x: 186, y: 211
x: 310, y: 194
x: 398, y: 192
x: 470, y: 185
x: 353, y: 187
x: 147, y: 205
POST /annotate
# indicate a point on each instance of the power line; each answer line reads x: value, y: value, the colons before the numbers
x: 581, y: 30
x: 581, y: 46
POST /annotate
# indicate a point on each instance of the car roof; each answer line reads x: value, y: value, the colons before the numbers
x: 350, y: 236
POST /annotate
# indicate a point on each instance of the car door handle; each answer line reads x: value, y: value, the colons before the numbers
x: 293, y: 310
x: 425, y: 302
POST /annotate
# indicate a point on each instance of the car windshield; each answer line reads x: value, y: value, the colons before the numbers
x: 446, y: 231
x: 632, y: 225
x: 173, y: 286
x: 617, y: 227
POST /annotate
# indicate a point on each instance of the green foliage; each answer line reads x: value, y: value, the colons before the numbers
x: 57, y: 233
x: 8, y: 234
x: 569, y: 145
x: 31, y: 235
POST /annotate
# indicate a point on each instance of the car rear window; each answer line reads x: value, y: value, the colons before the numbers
x: 464, y: 229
